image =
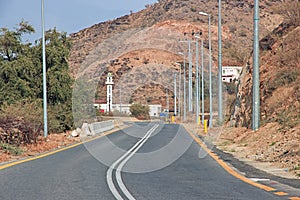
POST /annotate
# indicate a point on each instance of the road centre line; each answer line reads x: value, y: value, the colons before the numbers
x: 120, y: 163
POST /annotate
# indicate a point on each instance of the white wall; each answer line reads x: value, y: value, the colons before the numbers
x: 230, y: 73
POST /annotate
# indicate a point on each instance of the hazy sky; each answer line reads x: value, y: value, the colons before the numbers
x: 66, y: 15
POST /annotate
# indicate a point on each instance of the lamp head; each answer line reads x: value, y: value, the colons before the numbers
x: 203, y: 13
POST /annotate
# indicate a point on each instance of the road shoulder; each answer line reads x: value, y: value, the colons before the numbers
x: 278, y: 185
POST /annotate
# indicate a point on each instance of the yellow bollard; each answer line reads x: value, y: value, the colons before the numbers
x: 173, y: 119
x: 205, y: 126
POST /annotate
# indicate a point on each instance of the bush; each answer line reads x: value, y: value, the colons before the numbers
x: 11, y: 149
x: 231, y: 88
x: 288, y: 118
x: 60, y: 118
x: 290, y: 9
x: 283, y: 78
x: 21, y: 123
x: 139, y: 111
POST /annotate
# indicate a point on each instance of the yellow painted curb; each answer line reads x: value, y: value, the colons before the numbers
x: 281, y: 193
x: 56, y: 151
x: 294, y: 198
x: 229, y: 169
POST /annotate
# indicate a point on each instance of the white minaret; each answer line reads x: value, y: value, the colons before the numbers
x: 109, y: 84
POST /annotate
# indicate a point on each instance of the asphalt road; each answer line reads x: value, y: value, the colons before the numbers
x: 162, y: 163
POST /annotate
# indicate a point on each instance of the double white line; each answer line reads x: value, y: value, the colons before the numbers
x: 118, y: 165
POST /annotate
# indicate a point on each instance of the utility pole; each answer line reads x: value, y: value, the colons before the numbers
x: 220, y: 103
x: 255, y: 84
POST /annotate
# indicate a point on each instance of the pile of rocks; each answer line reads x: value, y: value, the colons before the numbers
x: 84, y: 131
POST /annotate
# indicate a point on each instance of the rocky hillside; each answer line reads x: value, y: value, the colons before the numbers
x: 279, y: 75
x: 278, y: 139
x: 237, y: 20
x: 161, y: 26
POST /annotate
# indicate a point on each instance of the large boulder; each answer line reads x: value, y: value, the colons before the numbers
x: 74, y: 133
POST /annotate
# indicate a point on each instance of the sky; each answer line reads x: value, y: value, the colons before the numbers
x: 66, y: 15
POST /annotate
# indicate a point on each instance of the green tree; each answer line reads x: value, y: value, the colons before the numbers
x: 17, y: 69
x: 59, y: 81
x: 10, y: 41
x: 83, y: 100
x: 21, y: 73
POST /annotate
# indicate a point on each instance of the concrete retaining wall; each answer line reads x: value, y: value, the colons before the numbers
x: 99, y: 127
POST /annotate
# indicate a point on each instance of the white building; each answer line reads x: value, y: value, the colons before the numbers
x: 154, y: 110
x: 122, y: 108
x: 231, y: 73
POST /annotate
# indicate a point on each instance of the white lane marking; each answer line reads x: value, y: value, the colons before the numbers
x: 119, y: 169
x: 129, y: 154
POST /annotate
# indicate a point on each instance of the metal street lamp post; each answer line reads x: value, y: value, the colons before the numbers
x: 202, y: 81
x: 120, y: 100
x: 190, y: 79
x: 179, y: 91
x: 44, y: 74
x: 210, y: 79
x: 167, y: 107
x: 197, y: 81
x: 175, y: 96
x: 220, y: 106
x: 184, y: 86
x: 255, y: 84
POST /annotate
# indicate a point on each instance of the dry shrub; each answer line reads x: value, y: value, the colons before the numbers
x: 21, y: 123
x: 290, y: 9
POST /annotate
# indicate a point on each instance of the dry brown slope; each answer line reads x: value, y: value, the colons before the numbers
x: 278, y: 139
x: 237, y: 18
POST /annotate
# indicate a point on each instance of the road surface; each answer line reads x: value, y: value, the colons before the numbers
x: 100, y: 170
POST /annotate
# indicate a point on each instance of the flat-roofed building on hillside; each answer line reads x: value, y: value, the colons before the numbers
x: 231, y: 73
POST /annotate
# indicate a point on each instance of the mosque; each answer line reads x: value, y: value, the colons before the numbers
x: 108, y: 106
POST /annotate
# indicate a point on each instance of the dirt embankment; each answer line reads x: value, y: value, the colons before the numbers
x: 269, y: 148
x: 53, y: 141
